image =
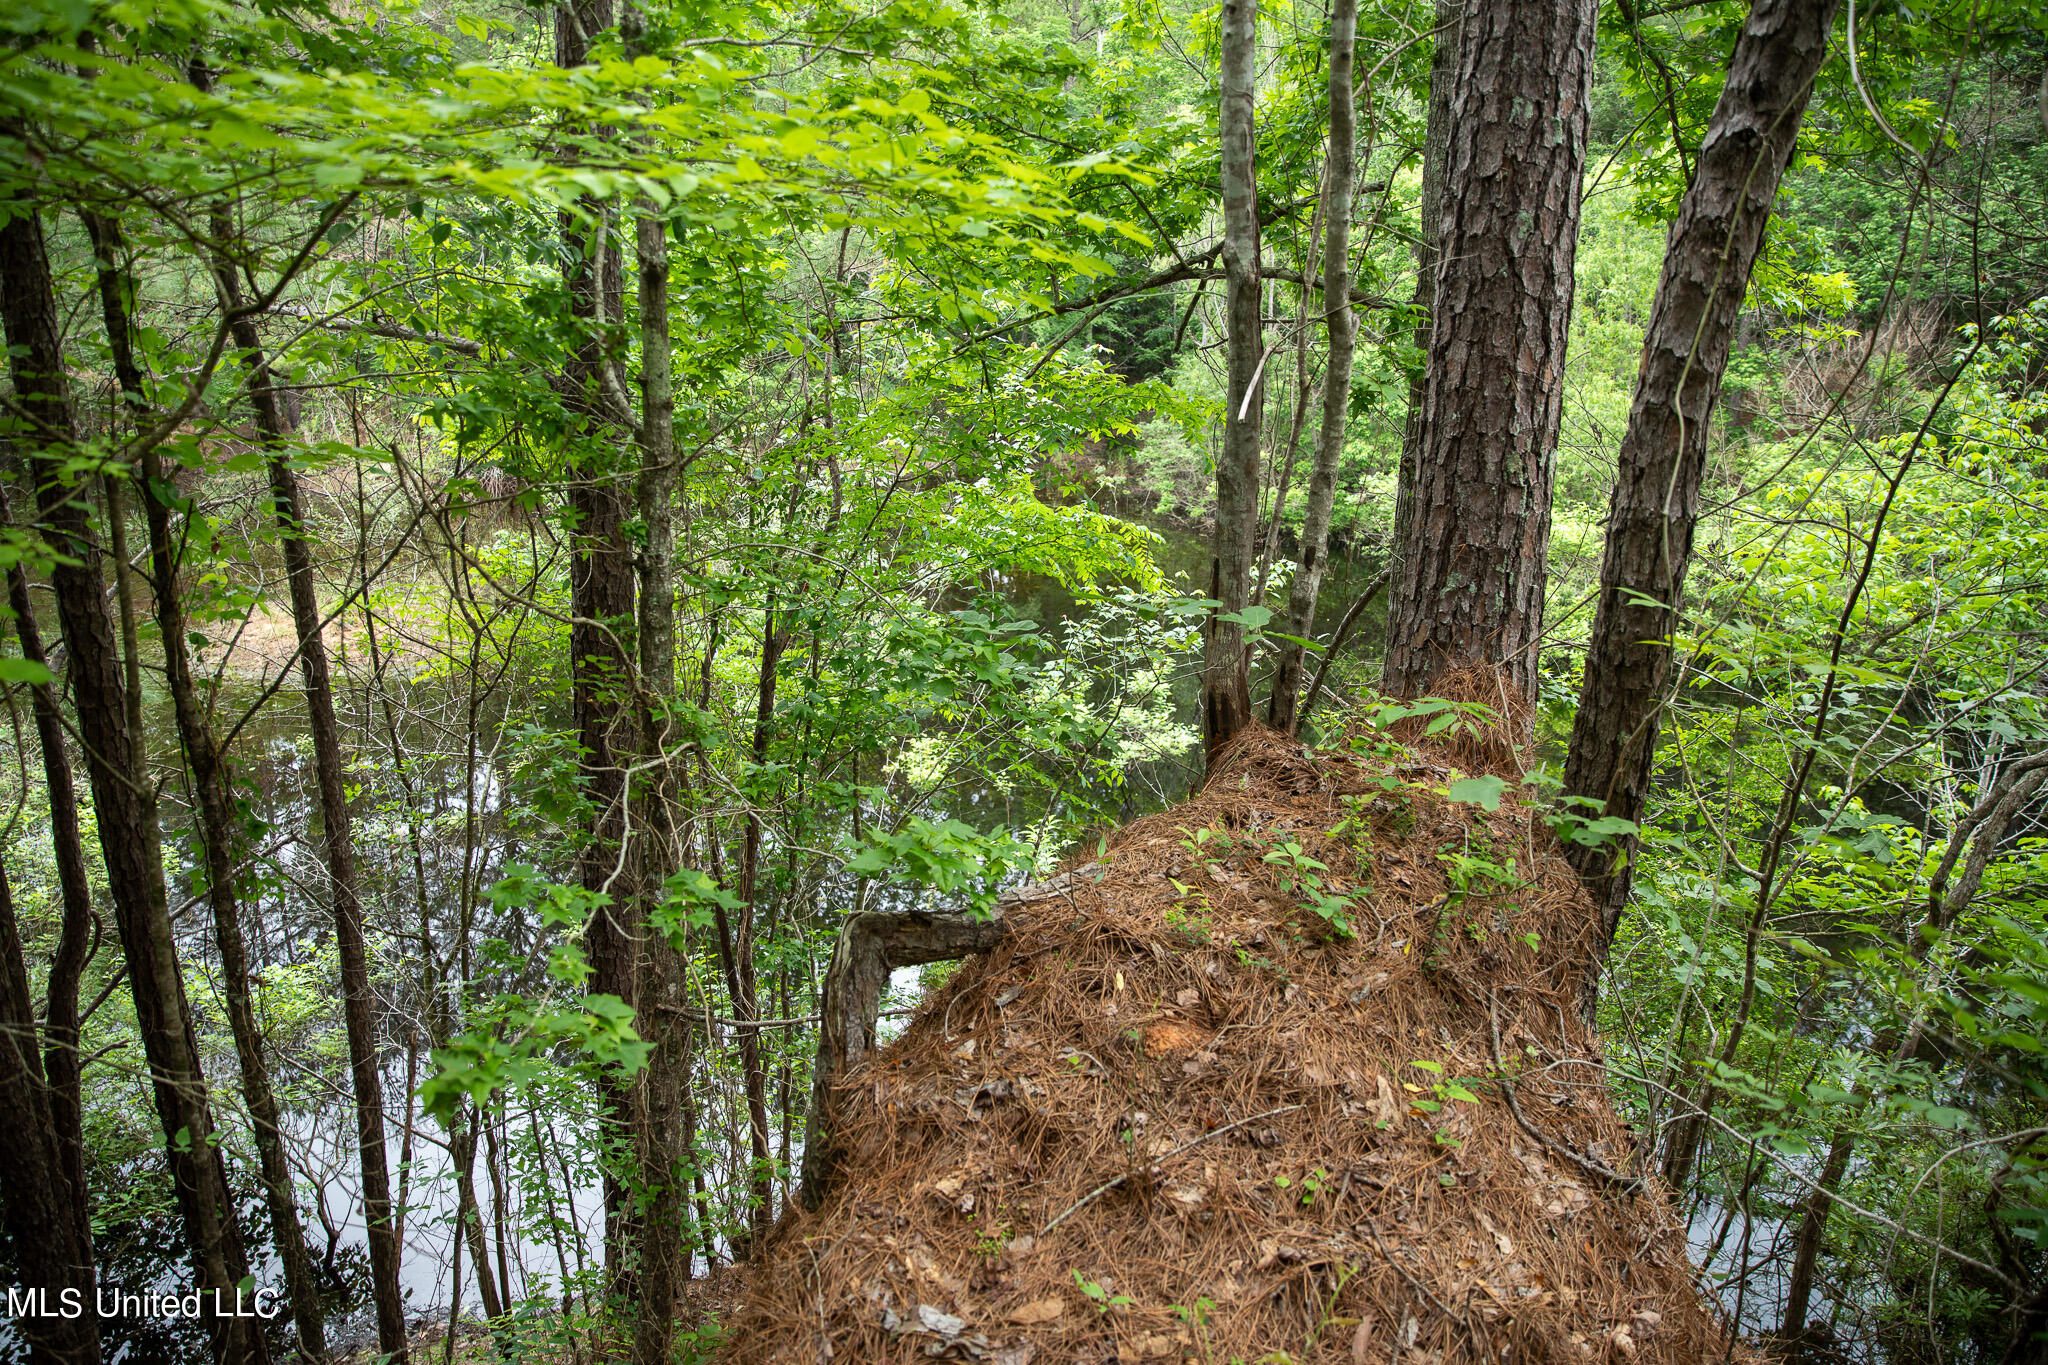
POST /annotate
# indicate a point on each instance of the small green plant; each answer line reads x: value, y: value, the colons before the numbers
x: 1189, y: 923
x: 1211, y: 845
x: 1302, y: 876
x: 1576, y: 819
x: 1445, y: 1090
x: 1327, y: 1317
x: 1197, y: 1318
x: 1447, y: 719
x: 1099, y: 1295
x: 993, y: 1241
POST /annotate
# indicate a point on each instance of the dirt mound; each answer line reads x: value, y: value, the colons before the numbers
x: 1179, y: 1115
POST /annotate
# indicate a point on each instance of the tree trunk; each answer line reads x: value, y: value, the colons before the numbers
x: 737, y: 945
x: 1343, y: 325
x: 1707, y: 261
x: 601, y: 587
x: 214, y: 804
x: 1226, y: 679
x: 127, y: 840
x: 1472, y: 572
x: 462, y: 1156
x: 75, y: 931
x: 338, y: 843
x: 871, y: 945
x: 1436, y: 136
x: 660, y: 987
x: 38, y: 1194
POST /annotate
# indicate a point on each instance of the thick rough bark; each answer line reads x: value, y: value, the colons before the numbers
x: 40, y: 1198
x: 127, y: 838
x: 1343, y: 325
x: 1436, y: 136
x: 1472, y: 572
x: 1707, y: 262
x: 1226, y: 680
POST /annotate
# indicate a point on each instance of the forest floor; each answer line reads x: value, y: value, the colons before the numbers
x: 1179, y: 1115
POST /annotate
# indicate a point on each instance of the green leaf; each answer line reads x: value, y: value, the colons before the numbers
x: 1480, y: 791
x: 18, y: 670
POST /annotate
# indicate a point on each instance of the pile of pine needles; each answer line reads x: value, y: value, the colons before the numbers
x: 1181, y: 1115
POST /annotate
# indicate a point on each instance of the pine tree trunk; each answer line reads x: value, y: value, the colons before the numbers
x: 127, y: 839
x: 1472, y: 571
x: 1226, y: 680
x: 1707, y: 262
x: 1343, y: 325
x: 1436, y: 136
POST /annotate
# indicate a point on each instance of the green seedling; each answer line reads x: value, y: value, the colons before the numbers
x: 1103, y: 1300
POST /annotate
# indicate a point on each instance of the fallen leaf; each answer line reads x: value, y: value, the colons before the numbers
x: 1361, y: 1343
x: 1385, y: 1109
x: 1041, y: 1310
x: 1188, y: 998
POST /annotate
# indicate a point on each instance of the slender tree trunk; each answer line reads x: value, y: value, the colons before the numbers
x: 338, y: 843
x: 1472, y: 573
x: 1226, y: 680
x: 1436, y: 138
x: 601, y: 584
x: 214, y: 804
x: 462, y: 1156
x: 214, y: 800
x: 1983, y: 830
x: 1812, y: 1228
x: 1707, y: 261
x: 127, y: 841
x: 660, y: 987
x: 40, y: 1200
x: 738, y: 945
x: 1343, y: 325
x: 75, y: 931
